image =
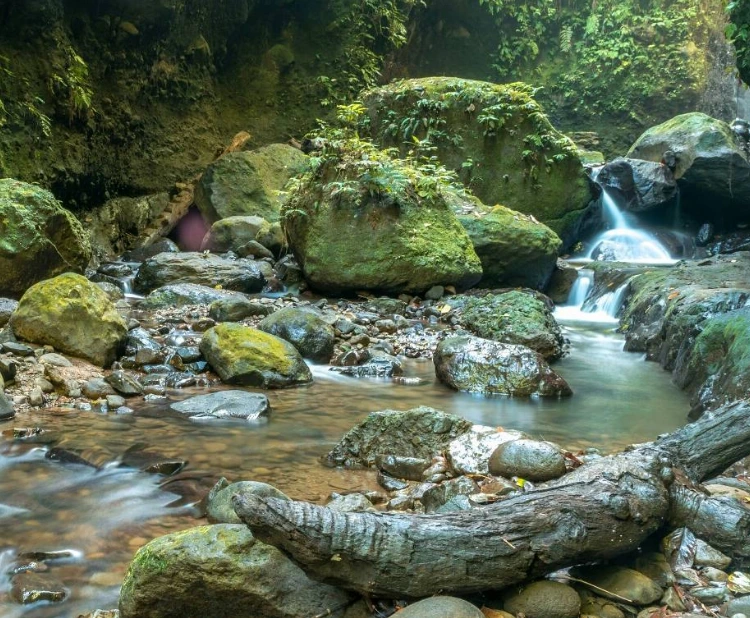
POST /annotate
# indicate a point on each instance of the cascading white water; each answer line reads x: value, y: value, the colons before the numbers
x: 580, y: 308
x: 623, y: 242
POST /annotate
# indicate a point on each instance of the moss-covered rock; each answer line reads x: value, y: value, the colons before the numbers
x: 709, y: 158
x: 248, y: 183
x: 721, y: 357
x: 515, y: 249
x: 313, y: 337
x: 667, y: 311
x: 365, y: 221
x: 223, y: 572
x: 513, y: 317
x: 392, y: 432
x: 38, y: 238
x: 234, y: 234
x: 497, y: 135
x: 219, y: 509
x: 478, y: 365
x: 250, y: 357
x: 73, y: 315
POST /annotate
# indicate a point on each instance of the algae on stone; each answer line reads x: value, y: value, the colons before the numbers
x: 248, y: 183
x: 38, y: 238
x: 515, y: 249
x: 220, y: 571
x: 73, y: 315
x: 497, y: 135
x: 709, y: 158
x: 363, y: 220
x: 250, y: 357
x: 512, y: 317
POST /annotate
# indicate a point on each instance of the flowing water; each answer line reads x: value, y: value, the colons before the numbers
x: 103, y: 515
x: 625, y: 241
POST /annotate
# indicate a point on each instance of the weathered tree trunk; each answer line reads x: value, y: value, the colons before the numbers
x: 603, y: 509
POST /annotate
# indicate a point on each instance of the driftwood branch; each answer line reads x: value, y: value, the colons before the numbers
x: 603, y: 509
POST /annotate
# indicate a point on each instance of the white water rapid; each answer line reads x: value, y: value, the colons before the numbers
x: 623, y: 242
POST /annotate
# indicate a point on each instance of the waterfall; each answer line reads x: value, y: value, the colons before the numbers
x: 580, y: 307
x: 624, y: 242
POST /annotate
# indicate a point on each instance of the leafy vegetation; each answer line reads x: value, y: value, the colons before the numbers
x: 73, y: 85
x: 368, y: 29
x: 738, y: 31
x: 351, y: 168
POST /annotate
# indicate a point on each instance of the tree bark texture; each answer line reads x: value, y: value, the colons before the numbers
x: 603, y: 509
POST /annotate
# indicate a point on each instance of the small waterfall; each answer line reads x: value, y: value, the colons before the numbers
x: 580, y: 307
x: 612, y: 213
x: 624, y: 242
x: 581, y: 288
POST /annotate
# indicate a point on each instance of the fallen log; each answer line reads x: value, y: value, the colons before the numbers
x: 603, y: 509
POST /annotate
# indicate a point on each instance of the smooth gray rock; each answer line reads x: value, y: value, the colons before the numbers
x: 532, y: 460
x: 7, y: 411
x: 441, y: 607
x: 223, y: 405
x: 242, y: 275
x: 544, y: 599
x: 305, y: 329
x: 219, y: 509
x: 181, y: 294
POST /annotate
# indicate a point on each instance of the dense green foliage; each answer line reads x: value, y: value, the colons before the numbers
x: 369, y: 29
x: 739, y: 32
x: 617, y: 54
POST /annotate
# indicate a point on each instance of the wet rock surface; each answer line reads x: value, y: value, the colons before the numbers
x: 479, y: 365
x: 247, y: 356
x: 389, y: 432
x: 234, y: 572
x: 242, y: 275
x: 305, y: 329
x: 224, y: 405
x: 529, y: 459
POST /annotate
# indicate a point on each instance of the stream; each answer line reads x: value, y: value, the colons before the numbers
x: 102, y: 516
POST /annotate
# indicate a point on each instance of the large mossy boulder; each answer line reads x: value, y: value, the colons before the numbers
x: 476, y: 365
x: 513, y: 317
x: 220, y: 571
x: 38, y: 238
x: 249, y: 357
x: 710, y: 160
x: 242, y: 275
x: 73, y: 315
x: 362, y: 220
x: 499, y: 137
x: 515, y: 249
x: 248, y: 183
x: 313, y: 337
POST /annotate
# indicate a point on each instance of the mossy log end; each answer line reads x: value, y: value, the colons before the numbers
x: 601, y: 510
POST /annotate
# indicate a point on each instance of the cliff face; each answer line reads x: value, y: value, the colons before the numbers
x: 100, y: 98
x: 104, y: 98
